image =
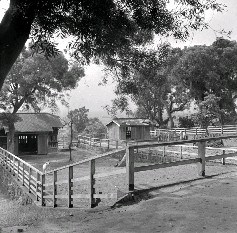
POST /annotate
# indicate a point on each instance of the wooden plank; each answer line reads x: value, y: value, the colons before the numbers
x: 165, y: 165
x: 130, y: 167
x: 201, y: 155
x: 92, y: 183
x: 180, y: 142
x: 54, y: 189
x: 213, y: 157
x: 70, y: 185
x: 106, y: 195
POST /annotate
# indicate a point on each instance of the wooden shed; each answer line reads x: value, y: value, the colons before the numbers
x: 129, y: 129
x: 35, y: 133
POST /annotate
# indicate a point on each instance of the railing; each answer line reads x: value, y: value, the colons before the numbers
x: 53, y: 144
x: 211, y: 130
x: 29, y: 177
x: 69, y: 186
x: 102, y: 143
x: 201, y: 158
x: 73, y: 180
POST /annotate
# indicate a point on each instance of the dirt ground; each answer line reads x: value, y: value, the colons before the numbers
x: 174, y: 200
x: 202, y: 205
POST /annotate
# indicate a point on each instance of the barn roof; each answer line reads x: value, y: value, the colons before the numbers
x: 37, y: 122
x: 131, y: 122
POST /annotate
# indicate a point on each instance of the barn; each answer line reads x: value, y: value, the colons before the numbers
x: 35, y: 133
x: 129, y: 129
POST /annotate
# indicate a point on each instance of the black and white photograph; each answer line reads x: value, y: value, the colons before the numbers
x: 118, y: 116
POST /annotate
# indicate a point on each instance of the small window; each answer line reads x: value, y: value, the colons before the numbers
x: 128, y: 132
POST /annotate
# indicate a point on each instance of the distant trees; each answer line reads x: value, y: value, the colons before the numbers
x: 79, y: 117
x: 82, y: 124
x: 95, y: 128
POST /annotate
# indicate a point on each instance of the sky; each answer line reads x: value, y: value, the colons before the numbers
x: 94, y: 96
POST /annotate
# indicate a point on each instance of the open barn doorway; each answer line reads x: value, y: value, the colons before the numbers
x: 27, y: 144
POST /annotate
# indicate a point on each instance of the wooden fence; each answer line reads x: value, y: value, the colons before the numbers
x: 195, y: 132
x: 61, y: 186
x: 24, y: 173
x: 102, y: 143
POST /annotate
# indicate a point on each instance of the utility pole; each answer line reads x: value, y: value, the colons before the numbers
x: 70, y: 145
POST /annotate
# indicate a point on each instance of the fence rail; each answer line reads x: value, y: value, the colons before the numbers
x: 54, y: 188
x: 26, y: 174
x: 211, y: 130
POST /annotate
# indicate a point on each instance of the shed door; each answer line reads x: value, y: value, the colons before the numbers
x: 43, y: 144
x: 27, y: 144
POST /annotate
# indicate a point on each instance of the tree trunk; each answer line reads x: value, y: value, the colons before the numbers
x: 14, y: 32
x: 11, y: 135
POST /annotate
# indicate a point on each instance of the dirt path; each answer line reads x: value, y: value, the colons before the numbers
x: 205, y: 205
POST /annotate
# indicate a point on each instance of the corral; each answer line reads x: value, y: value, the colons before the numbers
x: 96, y: 180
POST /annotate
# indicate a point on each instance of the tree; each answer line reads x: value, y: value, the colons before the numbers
x: 145, y: 78
x: 95, y: 128
x: 35, y: 82
x: 211, y: 70
x: 100, y: 28
x: 80, y: 119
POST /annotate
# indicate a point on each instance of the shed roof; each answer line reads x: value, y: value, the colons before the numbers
x: 37, y: 122
x: 131, y: 122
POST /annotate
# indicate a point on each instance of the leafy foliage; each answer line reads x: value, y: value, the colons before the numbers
x: 186, y: 122
x: 145, y: 78
x: 95, y: 128
x: 84, y: 125
x: 79, y: 117
x: 36, y: 82
x: 98, y: 28
x: 209, y: 71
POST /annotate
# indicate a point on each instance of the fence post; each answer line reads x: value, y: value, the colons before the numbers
x: 116, y: 144
x: 222, y: 130
x: 70, y: 186
x: 54, y: 188
x: 201, y: 155
x: 23, y: 174
x: 130, y: 167
x: 164, y: 151
x: 37, y: 185
x: 100, y: 142
x: 42, y: 190
x: 108, y: 144
x: 29, y: 181
x: 181, y: 152
x: 223, y: 159
x: 92, y: 183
